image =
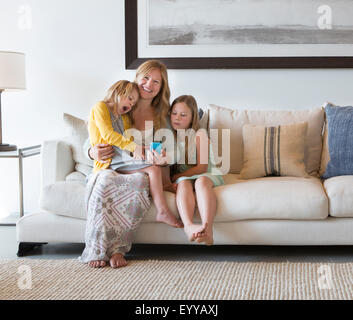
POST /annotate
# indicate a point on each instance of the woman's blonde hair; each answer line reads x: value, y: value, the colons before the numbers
x: 161, y: 102
x: 120, y: 89
x: 195, y: 124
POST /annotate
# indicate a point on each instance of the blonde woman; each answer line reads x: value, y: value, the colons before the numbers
x: 153, y: 105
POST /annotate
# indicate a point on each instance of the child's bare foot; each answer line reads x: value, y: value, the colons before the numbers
x: 206, y: 236
x: 194, y: 231
x: 97, y: 264
x: 117, y: 260
x: 168, y: 217
x: 172, y: 187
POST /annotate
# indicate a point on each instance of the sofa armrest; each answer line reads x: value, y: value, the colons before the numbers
x: 56, y: 161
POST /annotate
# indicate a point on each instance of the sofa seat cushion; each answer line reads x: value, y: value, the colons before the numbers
x: 340, y: 195
x: 262, y: 198
x: 66, y: 198
x: 293, y: 198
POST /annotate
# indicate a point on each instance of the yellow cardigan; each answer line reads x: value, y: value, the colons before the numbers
x: 101, y: 131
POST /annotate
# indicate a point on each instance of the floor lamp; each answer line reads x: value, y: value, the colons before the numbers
x: 12, y: 77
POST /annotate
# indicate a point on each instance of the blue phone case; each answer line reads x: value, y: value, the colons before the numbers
x: 156, y: 146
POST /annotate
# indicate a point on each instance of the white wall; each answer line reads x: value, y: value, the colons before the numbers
x: 75, y: 50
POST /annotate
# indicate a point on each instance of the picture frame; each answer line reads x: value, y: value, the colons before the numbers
x: 133, y: 59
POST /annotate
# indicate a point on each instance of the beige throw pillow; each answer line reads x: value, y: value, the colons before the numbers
x: 274, y: 151
x: 325, y: 156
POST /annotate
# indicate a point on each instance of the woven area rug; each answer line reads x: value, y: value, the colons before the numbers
x: 175, y: 280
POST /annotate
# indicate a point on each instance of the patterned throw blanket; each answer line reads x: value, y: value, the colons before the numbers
x: 116, y: 204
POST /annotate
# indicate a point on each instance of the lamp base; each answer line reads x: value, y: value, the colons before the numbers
x: 7, y: 147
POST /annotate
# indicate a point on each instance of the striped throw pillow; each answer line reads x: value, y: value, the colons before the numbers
x: 274, y: 151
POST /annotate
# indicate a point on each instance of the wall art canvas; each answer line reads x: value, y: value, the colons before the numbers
x: 242, y: 33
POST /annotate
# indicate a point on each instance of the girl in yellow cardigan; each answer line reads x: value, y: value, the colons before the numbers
x: 108, y: 121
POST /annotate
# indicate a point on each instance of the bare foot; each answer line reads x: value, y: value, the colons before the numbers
x: 206, y: 236
x: 194, y: 231
x: 97, y: 264
x: 168, y: 217
x: 117, y: 260
x: 172, y: 187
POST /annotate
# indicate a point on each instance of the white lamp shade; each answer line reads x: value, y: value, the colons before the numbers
x: 12, y: 71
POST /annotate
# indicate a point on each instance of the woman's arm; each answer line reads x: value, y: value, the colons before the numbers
x: 101, y: 152
x: 202, y: 152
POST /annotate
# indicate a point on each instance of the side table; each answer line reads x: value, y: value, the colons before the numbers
x: 20, y: 154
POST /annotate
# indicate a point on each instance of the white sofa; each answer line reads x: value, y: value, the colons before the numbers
x: 262, y: 211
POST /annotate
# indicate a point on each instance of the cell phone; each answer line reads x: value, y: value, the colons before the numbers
x: 157, y: 146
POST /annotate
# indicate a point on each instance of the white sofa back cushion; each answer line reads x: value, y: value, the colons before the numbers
x: 223, y: 118
x: 78, y: 134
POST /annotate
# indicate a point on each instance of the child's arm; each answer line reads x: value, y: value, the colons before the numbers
x: 201, y: 155
x: 100, y: 115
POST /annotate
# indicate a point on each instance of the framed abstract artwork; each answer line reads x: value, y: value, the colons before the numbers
x: 225, y: 34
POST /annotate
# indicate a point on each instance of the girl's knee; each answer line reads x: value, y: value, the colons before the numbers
x: 185, y: 184
x: 203, y: 182
x: 153, y: 170
x: 105, y: 177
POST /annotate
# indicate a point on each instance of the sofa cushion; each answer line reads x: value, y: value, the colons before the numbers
x: 66, y: 198
x: 78, y: 134
x: 263, y: 198
x: 203, y: 118
x: 340, y: 141
x: 340, y: 194
x: 274, y: 151
x: 76, y: 176
x: 271, y: 198
x: 222, y: 118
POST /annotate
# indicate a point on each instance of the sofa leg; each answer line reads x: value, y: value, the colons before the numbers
x: 26, y: 247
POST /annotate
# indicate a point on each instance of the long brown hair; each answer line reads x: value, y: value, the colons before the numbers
x: 161, y: 102
x: 195, y: 125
